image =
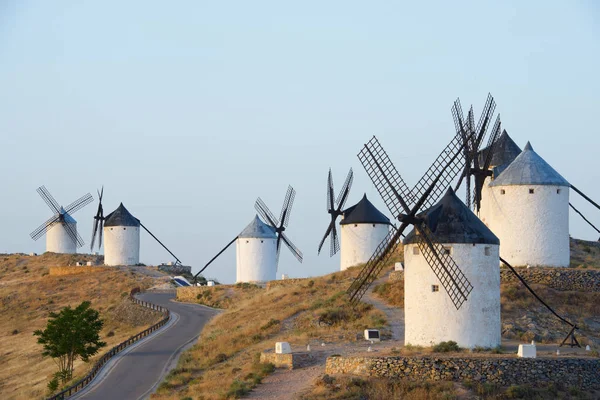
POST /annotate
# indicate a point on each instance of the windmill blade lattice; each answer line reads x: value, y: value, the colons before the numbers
x: 98, y: 222
x: 399, y: 199
x: 335, y: 209
x: 281, y: 224
x: 60, y: 215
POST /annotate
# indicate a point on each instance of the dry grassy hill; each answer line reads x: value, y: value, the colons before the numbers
x: 224, y: 363
x: 28, y: 293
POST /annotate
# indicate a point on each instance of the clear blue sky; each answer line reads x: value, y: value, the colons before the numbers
x: 188, y: 111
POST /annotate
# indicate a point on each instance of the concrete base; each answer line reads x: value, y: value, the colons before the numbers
x: 527, y: 351
x: 290, y: 360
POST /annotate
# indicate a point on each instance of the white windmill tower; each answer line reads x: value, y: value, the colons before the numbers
x: 61, y: 228
x: 121, y: 238
x: 121, y: 232
x: 430, y: 315
x: 500, y: 155
x: 363, y: 226
x: 259, y: 244
x: 529, y: 211
x: 256, y: 253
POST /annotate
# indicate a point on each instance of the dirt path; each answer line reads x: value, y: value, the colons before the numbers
x: 286, y: 384
x: 395, y: 315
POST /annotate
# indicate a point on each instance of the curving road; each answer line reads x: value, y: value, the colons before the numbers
x: 136, y: 373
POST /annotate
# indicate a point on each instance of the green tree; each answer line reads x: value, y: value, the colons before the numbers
x: 71, y: 333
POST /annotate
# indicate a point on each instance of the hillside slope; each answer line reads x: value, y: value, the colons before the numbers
x: 28, y: 293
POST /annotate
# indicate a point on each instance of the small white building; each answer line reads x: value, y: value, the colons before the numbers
x: 363, y: 228
x: 256, y: 253
x: 430, y: 315
x: 58, y: 239
x: 528, y: 209
x: 121, y: 238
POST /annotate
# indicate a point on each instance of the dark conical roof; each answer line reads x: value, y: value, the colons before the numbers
x: 529, y: 169
x: 258, y: 229
x: 364, y: 212
x: 121, y: 217
x: 505, y: 151
x: 451, y: 221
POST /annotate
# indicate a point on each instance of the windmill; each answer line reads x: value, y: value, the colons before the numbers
x: 121, y: 232
x: 258, y: 245
x: 474, y: 167
x: 334, y: 208
x: 404, y: 204
x: 61, y: 228
x: 281, y: 224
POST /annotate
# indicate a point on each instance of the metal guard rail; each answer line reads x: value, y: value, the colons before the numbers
x: 79, y: 385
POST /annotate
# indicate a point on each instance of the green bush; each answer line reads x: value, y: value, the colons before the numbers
x: 53, y: 384
x: 237, y: 390
x: 446, y: 347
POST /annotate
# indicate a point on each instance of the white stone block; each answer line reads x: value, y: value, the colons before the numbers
x: 210, y: 283
x: 282, y: 348
x: 398, y: 267
x: 89, y: 264
x: 527, y: 351
x: 284, y: 276
x: 373, y: 335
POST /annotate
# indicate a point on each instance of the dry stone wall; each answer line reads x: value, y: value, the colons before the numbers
x: 556, y: 278
x: 285, y: 282
x: 581, y: 373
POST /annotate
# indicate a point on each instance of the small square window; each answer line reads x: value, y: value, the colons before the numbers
x: 261, y: 241
x: 448, y: 250
x: 487, y: 251
x: 247, y: 241
x: 502, y: 191
x: 355, y: 225
x: 530, y: 191
x: 415, y: 251
x: 435, y: 288
x: 557, y: 191
x: 373, y: 225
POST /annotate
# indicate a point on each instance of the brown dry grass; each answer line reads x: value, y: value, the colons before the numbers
x: 256, y: 318
x: 585, y: 254
x: 345, y: 387
x: 28, y: 293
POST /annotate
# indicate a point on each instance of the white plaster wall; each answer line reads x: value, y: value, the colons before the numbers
x: 485, y: 200
x: 359, y: 241
x: 256, y: 260
x: 59, y: 241
x: 533, y: 228
x: 431, y: 317
x: 121, y: 245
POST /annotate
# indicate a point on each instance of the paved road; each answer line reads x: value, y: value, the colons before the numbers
x: 137, y: 373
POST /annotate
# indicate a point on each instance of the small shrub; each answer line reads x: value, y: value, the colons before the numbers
x: 237, y: 389
x: 110, y: 334
x: 53, y: 384
x: 257, y: 337
x: 15, y: 331
x: 446, y: 347
x: 235, y: 370
x: 518, y: 392
x: 272, y: 322
x: 311, y: 283
x: 221, y: 357
x: 124, y: 294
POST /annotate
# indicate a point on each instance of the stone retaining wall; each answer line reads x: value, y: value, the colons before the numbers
x: 578, y: 372
x: 176, y: 269
x: 56, y: 271
x: 583, y: 280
